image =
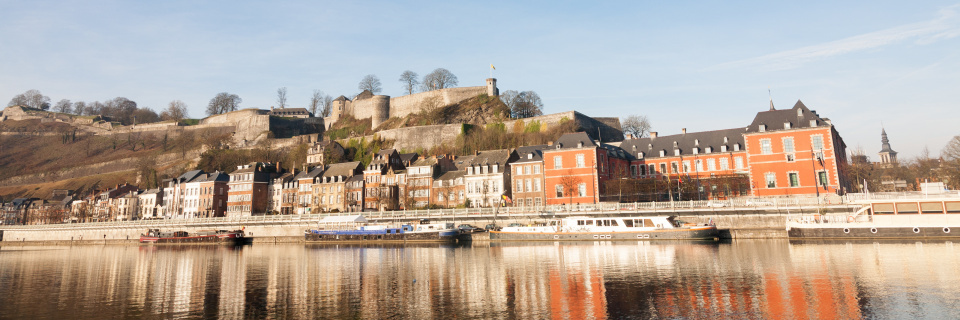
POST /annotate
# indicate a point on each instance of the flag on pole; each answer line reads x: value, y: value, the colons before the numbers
x: 492, y: 67
x: 507, y: 199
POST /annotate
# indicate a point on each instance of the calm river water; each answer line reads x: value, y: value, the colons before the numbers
x: 762, y: 279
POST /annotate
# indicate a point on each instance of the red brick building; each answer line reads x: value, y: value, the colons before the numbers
x: 577, y: 167
x: 795, y: 151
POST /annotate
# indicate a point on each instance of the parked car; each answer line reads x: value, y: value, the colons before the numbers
x: 469, y: 228
x: 491, y: 227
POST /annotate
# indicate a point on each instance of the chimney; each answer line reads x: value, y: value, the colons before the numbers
x: 278, y: 166
x: 629, y: 136
x: 653, y: 135
x: 550, y: 143
x: 684, y: 130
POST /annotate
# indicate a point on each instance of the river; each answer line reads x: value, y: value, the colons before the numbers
x: 760, y: 279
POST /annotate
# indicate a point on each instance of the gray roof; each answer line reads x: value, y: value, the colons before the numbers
x: 501, y: 157
x: 345, y: 169
x: 685, y: 142
x: 530, y: 153
x: 315, y: 172
x: 574, y: 140
x: 423, y: 162
x: 214, y: 177
x: 450, y: 175
x: 799, y: 117
x: 463, y: 162
x: 409, y: 157
x: 190, y: 176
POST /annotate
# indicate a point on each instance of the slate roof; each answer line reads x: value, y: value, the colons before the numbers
x: 289, y: 112
x: 574, y: 140
x: 451, y: 175
x: 408, y: 157
x: 315, y: 172
x: 423, y: 162
x: 463, y: 162
x: 190, y: 176
x: 216, y: 176
x: 685, y: 142
x: 530, y: 153
x: 501, y: 157
x: 345, y: 169
x: 799, y: 117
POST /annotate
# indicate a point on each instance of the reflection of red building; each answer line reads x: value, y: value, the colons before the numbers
x: 575, y: 296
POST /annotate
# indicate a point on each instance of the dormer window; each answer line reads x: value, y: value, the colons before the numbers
x: 813, y: 123
x: 634, y: 147
x: 763, y: 128
x: 696, y: 150
x: 580, y: 144
x: 674, y: 144
x: 723, y: 148
x: 786, y: 125
x: 725, y: 140
x: 530, y: 156
x: 709, y: 149
x: 799, y: 112
x: 663, y: 153
x: 649, y: 146
x: 696, y: 142
x: 639, y: 155
x: 676, y: 152
x: 736, y: 147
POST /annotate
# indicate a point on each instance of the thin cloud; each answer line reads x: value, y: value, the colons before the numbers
x: 944, y: 26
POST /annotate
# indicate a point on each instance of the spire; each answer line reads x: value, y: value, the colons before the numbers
x: 887, y: 155
x: 771, y: 99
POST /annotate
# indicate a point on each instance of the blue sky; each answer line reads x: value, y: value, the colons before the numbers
x: 700, y: 66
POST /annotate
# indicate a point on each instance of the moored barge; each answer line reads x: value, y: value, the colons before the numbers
x: 356, y: 228
x: 155, y: 236
x: 608, y: 228
x: 907, y: 218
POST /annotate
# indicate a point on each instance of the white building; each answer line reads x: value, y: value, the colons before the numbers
x: 487, y: 177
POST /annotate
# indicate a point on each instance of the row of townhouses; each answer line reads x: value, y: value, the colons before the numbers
x: 781, y: 153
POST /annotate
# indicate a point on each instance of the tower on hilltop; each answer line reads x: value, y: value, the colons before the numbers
x: 887, y: 155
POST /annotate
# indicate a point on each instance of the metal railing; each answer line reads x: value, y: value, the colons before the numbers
x: 706, y: 206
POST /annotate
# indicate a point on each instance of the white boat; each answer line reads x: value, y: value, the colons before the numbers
x: 608, y: 228
x: 357, y: 228
x: 906, y: 218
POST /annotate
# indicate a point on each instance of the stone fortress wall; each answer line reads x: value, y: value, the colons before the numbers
x: 426, y: 137
x: 379, y: 108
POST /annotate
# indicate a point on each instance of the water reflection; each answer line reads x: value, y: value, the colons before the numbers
x: 743, y: 279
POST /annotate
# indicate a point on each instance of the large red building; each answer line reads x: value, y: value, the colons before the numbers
x: 795, y: 151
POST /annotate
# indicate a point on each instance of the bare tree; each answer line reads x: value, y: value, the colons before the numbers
x: 223, y: 103
x: 951, y: 162
x: 282, y: 97
x: 370, y: 82
x: 526, y: 104
x: 327, y: 105
x: 409, y: 80
x: 63, y: 106
x: 439, y: 79
x: 569, y: 184
x: 636, y: 125
x: 79, y: 107
x: 32, y: 98
x: 316, y: 102
x: 176, y: 111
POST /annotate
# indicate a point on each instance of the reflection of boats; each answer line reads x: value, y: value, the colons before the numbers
x: 608, y: 228
x: 356, y: 229
x: 926, y: 218
x: 234, y: 237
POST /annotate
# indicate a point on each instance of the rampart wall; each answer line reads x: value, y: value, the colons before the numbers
x: 424, y: 137
x: 405, y: 105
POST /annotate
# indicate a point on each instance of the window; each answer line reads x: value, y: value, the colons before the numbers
x: 526, y: 169
x: 712, y: 164
x: 580, y: 161
x: 765, y: 146
x: 633, y: 171
x: 771, y: 180
x: 536, y: 169
x: 643, y: 170
x: 817, y: 142
x: 557, y: 162
x: 582, y: 190
x: 519, y: 170
x: 790, y: 157
x: 738, y: 162
x: 699, y: 164
x: 653, y: 169
x: 519, y: 185
x: 673, y: 167
x: 788, y: 144
x: 822, y: 177
x: 527, y: 182
x: 794, y: 179
x: 536, y: 184
x: 686, y: 166
x: 559, y: 191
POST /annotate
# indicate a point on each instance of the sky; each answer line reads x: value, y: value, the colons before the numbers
x: 702, y: 66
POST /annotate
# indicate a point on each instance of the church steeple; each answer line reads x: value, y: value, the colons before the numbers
x: 887, y: 155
